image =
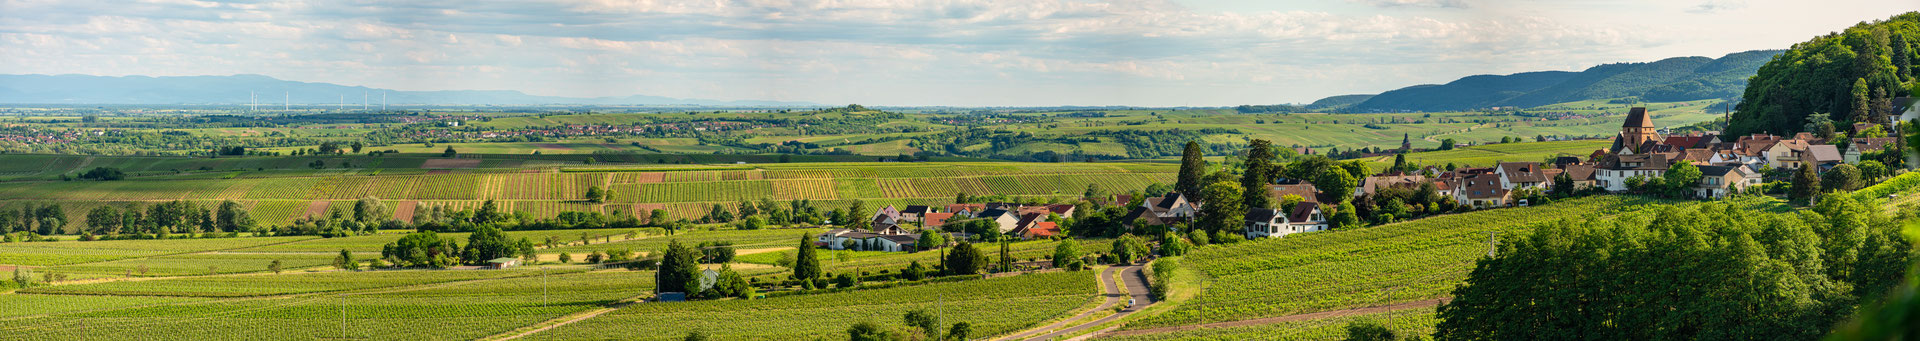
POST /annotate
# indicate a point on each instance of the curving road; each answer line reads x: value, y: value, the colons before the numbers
x: 1136, y: 281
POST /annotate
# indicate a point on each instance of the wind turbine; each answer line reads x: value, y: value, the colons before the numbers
x: 286, y: 101
x: 253, y: 102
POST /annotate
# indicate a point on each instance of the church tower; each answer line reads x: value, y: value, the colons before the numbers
x: 1639, y: 128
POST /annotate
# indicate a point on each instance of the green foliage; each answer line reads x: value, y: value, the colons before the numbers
x: 965, y: 259
x: 1192, y: 168
x: 1259, y: 171
x: 1223, y: 210
x: 679, y: 269
x: 1065, y: 254
x: 807, y: 265
x: 1806, y: 184
x: 1842, y: 178
x: 1368, y: 330
x: 1846, y: 72
x: 1717, y: 271
x: 1129, y: 248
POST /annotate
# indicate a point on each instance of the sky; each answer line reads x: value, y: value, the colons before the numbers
x: 899, y: 52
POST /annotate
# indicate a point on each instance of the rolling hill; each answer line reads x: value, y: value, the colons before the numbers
x: 1672, y: 79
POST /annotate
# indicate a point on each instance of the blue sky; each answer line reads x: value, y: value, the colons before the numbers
x: 898, y: 52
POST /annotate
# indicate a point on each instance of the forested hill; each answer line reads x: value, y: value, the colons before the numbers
x: 1848, y: 76
x: 1668, y: 80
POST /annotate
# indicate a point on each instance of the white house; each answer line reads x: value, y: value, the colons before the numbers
x: 1305, y: 217
x: 1613, y: 172
x: 1518, y: 175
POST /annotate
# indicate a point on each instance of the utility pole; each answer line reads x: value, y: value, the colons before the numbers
x: 1490, y: 247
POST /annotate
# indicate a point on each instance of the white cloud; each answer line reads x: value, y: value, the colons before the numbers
x: 957, y: 52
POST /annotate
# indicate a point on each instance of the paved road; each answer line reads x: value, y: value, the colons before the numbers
x: 1136, y: 281
x: 1112, y: 292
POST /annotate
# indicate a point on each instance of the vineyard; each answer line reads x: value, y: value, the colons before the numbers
x: 390, y: 303
x: 279, y: 191
x: 992, y: 306
x: 1415, y: 260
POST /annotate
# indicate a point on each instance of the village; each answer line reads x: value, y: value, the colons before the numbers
x: 1640, y: 153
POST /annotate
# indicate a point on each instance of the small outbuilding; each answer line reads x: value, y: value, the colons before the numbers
x: 504, y: 262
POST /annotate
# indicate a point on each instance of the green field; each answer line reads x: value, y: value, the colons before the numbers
x: 280, y: 197
x: 992, y: 306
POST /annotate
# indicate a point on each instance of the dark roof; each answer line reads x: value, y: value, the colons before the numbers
x: 992, y: 213
x: 1167, y: 202
x: 1483, y: 186
x: 1717, y: 170
x: 1261, y: 214
x: 1302, y: 212
x: 915, y: 209
x: 1580, y: 172
x: 1637, y: 118
x: 1646, y: 161
x: 1522, y: 172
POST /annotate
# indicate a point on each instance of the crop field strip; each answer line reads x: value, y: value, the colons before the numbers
x: 992, y: 306
x: 416, y: 308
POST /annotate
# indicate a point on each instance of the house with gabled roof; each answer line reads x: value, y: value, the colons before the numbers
x: 914, y: 213
x: 1481, y: 191
x: 1864, y: 145
x: 1720, y: 181
x: 1172, y: 206
x: 1519, y: 175
x: 1271, y: 223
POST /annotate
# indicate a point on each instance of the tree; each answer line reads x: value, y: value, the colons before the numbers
x: 1902, y: 57
x: 1254, y: 180
x: 1094, y: 191
x: 1562, y: 184
x: 103, y: 174
x: 345, y: 261
x: 1805, y: 185
x: 960, y: 331
x: 356, y: 146
x: 595, y: 195
x: 449, y: 152
x: 274, y: 266
x: 1841, y: 178
x: 1680, y: 178
x: 924, y: 321
x: 485, y: 244
x: 1706, y: 272
x: 368, y: 210
x: 857, y: 218
x: 1447, y: 144
x: 1192, y: 167
x: 867, y: 331
x: 1129, y: 248
x: 965, y: 259
x: 1222, y: 210
x: 1369, y: 330
x: 928, y: 240
x: 732, y: 284
x: 566, y: 258
x: 1861, y: 102
x: 1288, y: 202
x: 1400, y: 163
x: 1871, y: 170
x: 1345, y: 217
x: 679, y: 270
x: 1066, y: 253
x: 914, y: 271
x: 1336, y: 184
x: 232, y: 217
x: 807, y: 266
x: 658, y: 218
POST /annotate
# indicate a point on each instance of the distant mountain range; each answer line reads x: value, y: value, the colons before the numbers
x: 1667, y: 80
x: 85, y: 89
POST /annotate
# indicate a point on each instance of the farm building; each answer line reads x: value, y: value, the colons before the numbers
x: 503, y: 262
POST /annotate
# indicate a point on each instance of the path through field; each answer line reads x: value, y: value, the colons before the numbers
x: 563, y: 320
x: 1136, y: 282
